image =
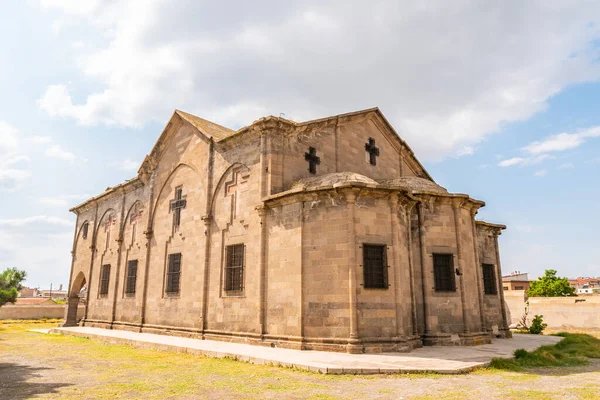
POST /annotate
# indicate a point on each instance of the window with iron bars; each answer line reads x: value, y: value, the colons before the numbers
x: 443, y: 271
x: 489, y: 279
x: 174, y: 274
x: 104, y: 279
x: 375, y: 266
x: 234, y: 268
x: 131, y: 278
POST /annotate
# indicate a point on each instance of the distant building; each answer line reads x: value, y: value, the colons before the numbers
x: 517, y: 280
x: 27, y: 292
x: 585, y: 285
x: 58, y: 293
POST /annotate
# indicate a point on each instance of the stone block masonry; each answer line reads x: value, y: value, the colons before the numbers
x: 239, y: 236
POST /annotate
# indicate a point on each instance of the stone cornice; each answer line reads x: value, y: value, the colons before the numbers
x: 119, y: 190
x: 495, y: 229
x: 365, y: 190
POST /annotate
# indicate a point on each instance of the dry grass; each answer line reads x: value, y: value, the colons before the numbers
x: 78, y: 368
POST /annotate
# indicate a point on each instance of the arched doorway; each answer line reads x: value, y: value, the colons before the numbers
x: 77, y: 295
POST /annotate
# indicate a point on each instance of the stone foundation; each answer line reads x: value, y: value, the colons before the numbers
x: 457, y: 339
x: 341, y: 345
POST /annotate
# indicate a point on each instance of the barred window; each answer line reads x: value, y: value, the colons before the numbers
x: 443, y: 271
x: 174, y: 273
x: 234, y: 268
x: 84, y: 230
x: 104, y: 279
x: 375, y: 266
x: 489, y: 279
x: 131, y: 278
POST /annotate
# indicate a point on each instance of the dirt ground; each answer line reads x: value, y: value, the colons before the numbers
x: 34, y: 365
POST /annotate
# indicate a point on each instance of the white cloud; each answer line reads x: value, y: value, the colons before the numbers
x: 524, y: 161
x: 8, y: 137
x: 19, y: 222
x: 444, y: 90
x: 56, y: 151
x: 63, y: 200
x: 53, y: 150
x: 562, y: 141
x: 71, y: 6
x: 538, y: 151
x: 511, y: 161
x: 46, y: 258
x: 541, y: 172
x: 465, y: 151
x: 41, y: 139
x: 12, y: 169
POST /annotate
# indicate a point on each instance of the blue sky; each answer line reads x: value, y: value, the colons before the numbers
x: 498, y: 101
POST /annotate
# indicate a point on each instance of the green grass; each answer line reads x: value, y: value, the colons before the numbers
x: 97, y: 370
x: 575, y: 349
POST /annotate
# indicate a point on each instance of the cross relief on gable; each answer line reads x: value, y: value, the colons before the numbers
x: 108, y: 224
x: 235, y: 191
x: 136, y: 214
x: 134, y: 219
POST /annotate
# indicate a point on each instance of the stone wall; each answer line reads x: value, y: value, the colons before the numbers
x: 36, y: 311
x: 581, y: 312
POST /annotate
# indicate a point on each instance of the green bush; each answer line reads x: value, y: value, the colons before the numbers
x: 520, y: 353
x: 537, y: 325
x: 574, y: 349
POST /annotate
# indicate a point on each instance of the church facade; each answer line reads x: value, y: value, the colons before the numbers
x: 327, y: 234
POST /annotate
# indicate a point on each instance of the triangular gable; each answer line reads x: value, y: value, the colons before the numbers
x: 386, y: 129
x: 409, y: 155
x: 206, y: 130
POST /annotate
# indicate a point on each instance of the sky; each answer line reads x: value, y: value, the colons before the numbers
x: 499, y: 100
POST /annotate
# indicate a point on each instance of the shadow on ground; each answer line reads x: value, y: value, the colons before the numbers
x: 15, y: 382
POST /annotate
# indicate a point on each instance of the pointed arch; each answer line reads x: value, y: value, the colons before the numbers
x: 156, y: 199
x: 79, y: 234
x: 222, y: 180
x: 124, y: 222
x: 106, y: 212
x: 77, y: 284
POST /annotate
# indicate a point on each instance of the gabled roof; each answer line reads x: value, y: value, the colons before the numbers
x: 218, y: 133
x: 208, y: 128
x: 332, y: 118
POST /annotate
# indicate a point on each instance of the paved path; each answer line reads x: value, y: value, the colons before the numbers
x: 441, y: 359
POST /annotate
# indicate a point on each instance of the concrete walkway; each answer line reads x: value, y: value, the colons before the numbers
x: 445, y: 360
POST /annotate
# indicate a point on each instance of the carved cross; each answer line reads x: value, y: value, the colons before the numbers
x: 136, y: 214
x: 110, y: 221
x: 313, y: 160
x: 372, y: 150
x: 176, y: 205
x: 234, y: 189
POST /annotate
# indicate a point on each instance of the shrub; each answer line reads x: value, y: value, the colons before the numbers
x: 520, y: 353
x: 574, y: 349
x: 537, y: 325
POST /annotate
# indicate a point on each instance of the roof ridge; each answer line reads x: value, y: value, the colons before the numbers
x: 208, y: 127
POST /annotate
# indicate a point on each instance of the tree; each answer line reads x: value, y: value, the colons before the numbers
x: 10, y: 284
x: 550, y: 285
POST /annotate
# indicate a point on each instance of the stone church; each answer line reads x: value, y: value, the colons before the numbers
x: 322, y: 235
